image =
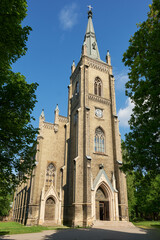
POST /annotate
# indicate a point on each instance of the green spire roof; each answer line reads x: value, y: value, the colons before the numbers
x: 90, y: 39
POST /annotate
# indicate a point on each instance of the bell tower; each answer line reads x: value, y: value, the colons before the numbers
x: 96, y: 186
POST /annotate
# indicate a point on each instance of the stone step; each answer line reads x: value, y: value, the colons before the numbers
x: 103, y: 224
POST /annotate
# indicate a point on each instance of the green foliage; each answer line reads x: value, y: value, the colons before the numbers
x: 17, y: 99
x: 143, y: 87
x: 143, y: 197
x: 143, y: 193
x: 13, y: 35
x: 131, y: 196
x: 5, y: 204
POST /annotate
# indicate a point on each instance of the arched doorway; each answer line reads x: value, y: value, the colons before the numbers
x: 102, y: 205
x: 49, y: 209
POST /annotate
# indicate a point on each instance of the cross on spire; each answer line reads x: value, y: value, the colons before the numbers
x: 90, y: 8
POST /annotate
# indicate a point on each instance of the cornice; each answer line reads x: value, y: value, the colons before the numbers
x: 101, y: 66
x: 99, y: 99
x: 63, y: 119
x: 48, y: 125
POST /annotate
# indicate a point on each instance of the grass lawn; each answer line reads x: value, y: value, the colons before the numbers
x: 148, y: 224
x: 17, y: 228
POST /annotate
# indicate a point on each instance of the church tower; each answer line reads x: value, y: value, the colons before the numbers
x: 76, y: 178
x: 96, y: 186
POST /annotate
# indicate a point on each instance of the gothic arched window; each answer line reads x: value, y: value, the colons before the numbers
x: 99, y: 140
x: 98, y: 86
x: 50, y: 176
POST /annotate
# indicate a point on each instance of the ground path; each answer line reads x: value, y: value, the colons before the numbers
x: 98, y: 232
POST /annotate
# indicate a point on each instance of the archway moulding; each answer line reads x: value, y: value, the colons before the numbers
x: 103, y: 181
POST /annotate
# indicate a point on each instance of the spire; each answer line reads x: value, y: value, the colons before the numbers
x: 56, y: 115
x: 57, y: 108
x: 90, y: 39
x: 108, y: 58
x: 73, y: 66
x: 42, y: 117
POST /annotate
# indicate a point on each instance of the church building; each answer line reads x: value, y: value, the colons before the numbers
x: 77, y: 179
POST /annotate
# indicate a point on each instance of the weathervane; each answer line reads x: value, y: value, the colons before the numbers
x: 90, y: 8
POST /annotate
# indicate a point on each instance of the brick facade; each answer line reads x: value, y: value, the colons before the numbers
x: 72, y: 165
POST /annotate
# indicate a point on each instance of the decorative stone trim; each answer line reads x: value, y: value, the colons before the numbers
x: 48, y: 125
x: 63, y: 119
x: 99, y: 99
x: 97, y: 65
x: 56, y: 128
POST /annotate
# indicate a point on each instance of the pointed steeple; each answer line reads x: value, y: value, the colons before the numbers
x: 108, y: 58
x: 56, y: 115
x: 73, y: 66
x: 90, y: 41
x: 42, y: 117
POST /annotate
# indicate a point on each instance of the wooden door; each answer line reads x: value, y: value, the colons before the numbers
x: 104, y: 210
x: 101, y: 210
x: 50, y: 209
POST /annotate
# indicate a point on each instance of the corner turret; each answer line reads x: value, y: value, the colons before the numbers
x: 56, y: 115
x: 73, y: 66
x: 41, y: 118
x: 108, y: 58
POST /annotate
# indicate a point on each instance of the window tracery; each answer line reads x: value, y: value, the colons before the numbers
x: 99, y: 140
x: 50, y: 176
x: 98, y: 86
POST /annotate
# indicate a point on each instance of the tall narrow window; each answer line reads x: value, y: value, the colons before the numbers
x: 50, y: 176
x: 98, y: 86
x: 77, y: 88
x: 99, y: 90
x: 99, y: 140
x: 95, y: 88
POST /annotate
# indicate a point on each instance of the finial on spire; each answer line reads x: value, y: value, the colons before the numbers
x: 90, y: 8
x: 89, y: 11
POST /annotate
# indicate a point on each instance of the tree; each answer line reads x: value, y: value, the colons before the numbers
x: 5, y: 204
x: 143, y: 193
x: 143, y: 59
x: 17, y: 100
x: 152, y: 198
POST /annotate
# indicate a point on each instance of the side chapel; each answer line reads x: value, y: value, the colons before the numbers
x: 77, y: 179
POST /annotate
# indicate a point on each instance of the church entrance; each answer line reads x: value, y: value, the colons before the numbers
x: 104, y: 210
x: 102, y: 205
x: 49, y: 209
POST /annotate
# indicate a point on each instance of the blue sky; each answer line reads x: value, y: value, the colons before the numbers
x: 56, y: 40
